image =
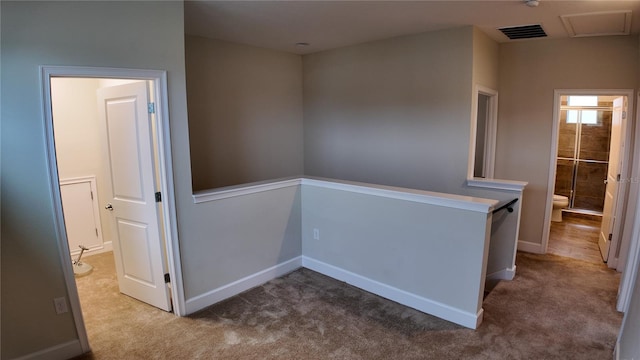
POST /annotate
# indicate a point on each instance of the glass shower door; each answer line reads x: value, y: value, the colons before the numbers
x: 583, y: 153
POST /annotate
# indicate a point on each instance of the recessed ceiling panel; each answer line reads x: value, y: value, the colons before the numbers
x: 598, y: 23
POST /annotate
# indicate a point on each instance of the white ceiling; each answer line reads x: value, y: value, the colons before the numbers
x: 332, y: 24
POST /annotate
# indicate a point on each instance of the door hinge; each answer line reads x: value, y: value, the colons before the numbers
x: 610, y: 237
x: 167, y: 278
x: 158, y: 197
x: 96, y: 232
x: 151, y: 107
x: 618, y: 178
x: 91, y: 192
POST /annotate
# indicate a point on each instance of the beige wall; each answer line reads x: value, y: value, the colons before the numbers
x: 486, y: 54
x: 485, y: 74
x: 245, y: 113
x: 144, y: 35
x: 529, y: 73
x: 392, y: 112
x: 75, y: 117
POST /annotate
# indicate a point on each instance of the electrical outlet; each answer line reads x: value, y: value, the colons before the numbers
x: 316, y: 234
x: 61, y: 305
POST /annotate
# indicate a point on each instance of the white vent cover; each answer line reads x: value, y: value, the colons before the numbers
x: 598, y: 23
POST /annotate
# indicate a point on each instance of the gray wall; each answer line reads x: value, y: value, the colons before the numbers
x: 245, y: 113
x: 392, y: 112
x: 389, y: 241
x: 628, y: 345
x: 243, y: 235
x: 529, y: 73
x: 40, y: 33
x: 236, y: 237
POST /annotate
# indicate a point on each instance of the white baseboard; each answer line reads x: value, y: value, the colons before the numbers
x: 530, y: 247
x: 107, y: 246
x: 504, y: 274
x: 428, y: 306
x: 216, y: 295
x: 64, y: 351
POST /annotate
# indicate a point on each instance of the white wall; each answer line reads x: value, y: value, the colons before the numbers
x: 77, y: 136
x: 245, y: 113
x: 393, y: 112
x: 529, y: 73
x: 75, y: 117
x: 110, y: 34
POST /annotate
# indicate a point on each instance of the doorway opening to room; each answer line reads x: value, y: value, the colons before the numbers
x: 590, y: 156
x: 109, y: 160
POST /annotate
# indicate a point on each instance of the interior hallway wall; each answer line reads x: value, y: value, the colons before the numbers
x: 530, y: 71
x: 486, y: 54
x: 33, y: 34
x: 245, y: 113
x: 391, y: 112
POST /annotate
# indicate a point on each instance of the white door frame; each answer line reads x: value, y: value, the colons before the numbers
x: 554, y: 150
x: 630, y: 249
x: 162, y: 134
x: 490, y: 131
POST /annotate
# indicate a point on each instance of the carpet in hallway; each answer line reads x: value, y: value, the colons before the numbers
x: 555, y: 308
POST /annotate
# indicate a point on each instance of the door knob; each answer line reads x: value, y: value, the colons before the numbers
x: 109, y: 207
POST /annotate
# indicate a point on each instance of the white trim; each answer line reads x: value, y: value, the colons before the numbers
x: 106, y: 247
x: 626, y: 240
x: 62, y: 351
x: 58, y: 216
x: 557, y: 93
x: 216, y: 295
x: 426, y: 197
x: 497, y: 184
x: 168, y: 204
x: 159, y: 78
x: 420, y: 196
x: 504, y: 274
x: 622, y: 188
x: 568, y: 25
x: 633, y: 264
x: 428, y: 306
x: 530, y: 247
x: 228, y: 192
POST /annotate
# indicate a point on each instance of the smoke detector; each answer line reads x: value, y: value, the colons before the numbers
x: 532, y: 3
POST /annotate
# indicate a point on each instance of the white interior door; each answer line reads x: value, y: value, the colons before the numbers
x: 128, y: 156
x: 615, y: 166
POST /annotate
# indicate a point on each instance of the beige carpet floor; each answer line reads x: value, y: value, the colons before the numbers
x: 555, y: 308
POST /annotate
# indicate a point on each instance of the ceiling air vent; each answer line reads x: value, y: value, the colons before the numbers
x: 523, y: 32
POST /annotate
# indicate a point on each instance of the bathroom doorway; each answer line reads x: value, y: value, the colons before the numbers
x: 589, y: 156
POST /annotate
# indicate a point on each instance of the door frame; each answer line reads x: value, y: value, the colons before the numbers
x: 620, y: 206
x: 162, y: 134
x: 491, y: 127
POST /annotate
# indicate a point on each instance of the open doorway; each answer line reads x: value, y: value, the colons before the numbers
x: 589, y: 156
x: 482, y: 146
x: 111, y: 132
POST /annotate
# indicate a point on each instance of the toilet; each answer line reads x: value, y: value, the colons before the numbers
x: 559, y: 202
